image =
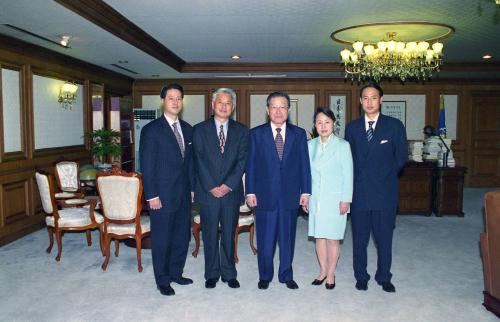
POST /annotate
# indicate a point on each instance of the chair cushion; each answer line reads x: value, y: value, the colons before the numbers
x: 68, y: 175
x: 245, y: 208
x: 129, y: 229
x: 74, y: 217
x: 245, y: 220
x: 118, y: 196
x: 42, y: 182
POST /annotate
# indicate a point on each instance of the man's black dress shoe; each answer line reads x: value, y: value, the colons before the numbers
x: 182, y: 280
x: 232, y: 283
x: 166, y: 290
x: 362, y: 285
x: 388, y: 287
x: 330, y: 286
x: 211, y: 282
x: 318, y: 282
x: 292, y: 285
x: 263, y: 285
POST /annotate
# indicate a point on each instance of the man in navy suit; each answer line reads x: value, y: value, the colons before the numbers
x: 379, y: 151
x: 166, y: 166
x: 278, y: 180
x: 220, y: 150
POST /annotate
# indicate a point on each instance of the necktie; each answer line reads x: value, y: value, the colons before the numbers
x: 369, y: 132
x: 279, y: 143
x: 178, y: 138
x: 222, y: 139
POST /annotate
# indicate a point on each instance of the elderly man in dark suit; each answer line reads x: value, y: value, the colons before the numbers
x: 278, y: 180
x: 220, y: 150
x: 379, y: 151
x: 167, y: 172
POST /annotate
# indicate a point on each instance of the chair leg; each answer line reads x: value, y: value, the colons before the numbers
x: 50, y: 230
x: 89, y: 237
x: 101, y: 241
x: 117, y: 247
x: 107, y: 246
x: 236, y: 234
x: 196, y: 235
x: 138, y: 246
x: 252, y: 231
x: 59, y: 244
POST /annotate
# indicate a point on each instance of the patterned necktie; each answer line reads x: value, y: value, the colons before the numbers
x: 279, y: 143
x: 222, y: 139
x: 178, y: 138
x: 369, y: 132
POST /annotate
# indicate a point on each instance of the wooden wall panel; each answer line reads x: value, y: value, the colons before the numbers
x: 20, y: 211
x: 323, y: 88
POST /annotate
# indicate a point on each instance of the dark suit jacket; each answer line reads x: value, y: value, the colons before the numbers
x: 274, y: 181
x: 165, y: 173
x: 213, y: 168
x: 377, y: 163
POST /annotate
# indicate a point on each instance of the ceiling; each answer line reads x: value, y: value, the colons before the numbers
x: 277, y: 38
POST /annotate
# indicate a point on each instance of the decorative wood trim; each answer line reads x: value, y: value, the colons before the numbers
x: 261, y: 67
x: 104, y: 16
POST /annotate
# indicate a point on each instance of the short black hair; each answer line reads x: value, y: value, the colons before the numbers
x: 278, y: 94
x: 167, y: 87
x: 325, y: 110
x: 372, y: 85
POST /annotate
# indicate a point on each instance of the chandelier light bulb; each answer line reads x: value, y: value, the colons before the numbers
x: 345, y: 55
x: 412, y: 46
x: 437, y: 47
x: 358, y: 46
x: 391, y: 46
x: 369, y: 50
x: 423, y: 46
x: 382, y: 46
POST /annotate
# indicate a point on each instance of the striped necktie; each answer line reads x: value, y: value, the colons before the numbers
x: 369, y: 132
x: 178, y: 138
x: 222, y: 139
x: 279, y: 143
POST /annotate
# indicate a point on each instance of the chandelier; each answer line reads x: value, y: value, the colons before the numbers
x: 67, y: 95
x: 391, y: 57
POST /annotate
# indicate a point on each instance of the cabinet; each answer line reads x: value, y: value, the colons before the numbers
x: 448, y: 191
x: 415, y: 188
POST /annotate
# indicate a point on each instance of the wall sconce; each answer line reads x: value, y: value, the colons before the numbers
x: 67, y: 95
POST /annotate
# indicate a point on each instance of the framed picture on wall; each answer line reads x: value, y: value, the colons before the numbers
x: 293, y: 114
x: 338, y: 106
x: 396, y: 109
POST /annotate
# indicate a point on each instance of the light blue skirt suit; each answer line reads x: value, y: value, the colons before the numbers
x: 332, y: 178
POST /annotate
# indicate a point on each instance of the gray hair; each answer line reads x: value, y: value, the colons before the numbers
x: 227, y: 91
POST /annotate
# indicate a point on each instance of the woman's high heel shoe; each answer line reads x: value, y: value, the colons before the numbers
x: 318, y: 282
x: 330, y: 286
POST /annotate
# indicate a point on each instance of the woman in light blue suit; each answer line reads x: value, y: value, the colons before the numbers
x: 332, y: 178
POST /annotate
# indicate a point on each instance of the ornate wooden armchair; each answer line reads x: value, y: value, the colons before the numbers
x: 68, y: 181
x: 70, y: 218
x: 120, y: 194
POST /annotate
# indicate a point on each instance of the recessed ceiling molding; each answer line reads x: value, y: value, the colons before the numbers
x: 261, y: 67
x: 27, y: 32
x: 104, y: 16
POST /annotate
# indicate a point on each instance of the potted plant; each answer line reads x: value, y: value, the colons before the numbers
x: 105, y: 146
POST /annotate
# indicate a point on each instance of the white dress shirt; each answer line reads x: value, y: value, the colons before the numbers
x: 374, y: 124
x: 283, y: 131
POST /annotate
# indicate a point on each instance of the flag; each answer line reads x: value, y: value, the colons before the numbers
x: 442, y: 123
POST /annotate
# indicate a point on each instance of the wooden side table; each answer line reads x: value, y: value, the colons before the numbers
x: 415, y: 188
x: 448, y: 191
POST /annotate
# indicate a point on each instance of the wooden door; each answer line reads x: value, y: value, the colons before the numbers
x: 485, y: 141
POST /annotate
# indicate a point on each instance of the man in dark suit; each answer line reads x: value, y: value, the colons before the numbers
x: 278, y: 180
x: 166, y: 166
x: 379, y: 151
x: 220, y: 150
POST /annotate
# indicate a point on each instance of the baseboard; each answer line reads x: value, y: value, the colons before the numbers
x: 491, y: 303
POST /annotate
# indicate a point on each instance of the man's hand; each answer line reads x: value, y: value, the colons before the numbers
x: 192, y: 196
x: 343, y: 207
x: 304, y: 202
x: 223, y: 189
x: 216, y: 192
x: 251, y: 201
x: 155, y: 203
